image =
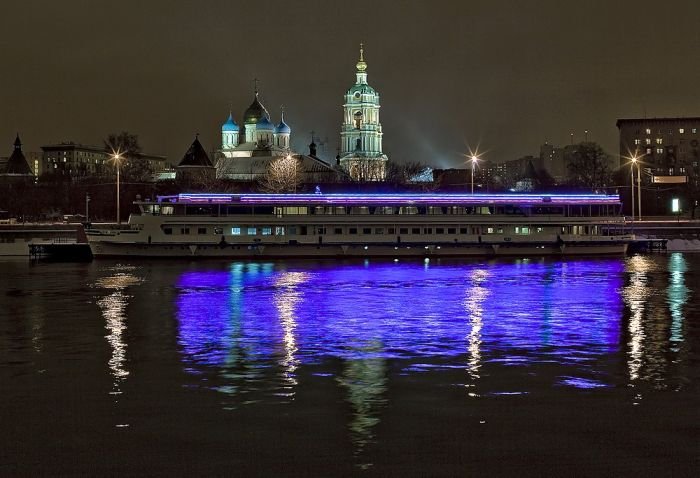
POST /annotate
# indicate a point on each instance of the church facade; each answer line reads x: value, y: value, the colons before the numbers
x: 247, y: 150
x: 361, y: 132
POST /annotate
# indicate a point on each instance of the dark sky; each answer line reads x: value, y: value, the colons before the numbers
x: 504, y: 75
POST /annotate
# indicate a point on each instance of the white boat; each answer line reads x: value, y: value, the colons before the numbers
x: 392, y: 225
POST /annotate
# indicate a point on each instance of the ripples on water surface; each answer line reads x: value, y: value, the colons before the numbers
x: 437, y: 368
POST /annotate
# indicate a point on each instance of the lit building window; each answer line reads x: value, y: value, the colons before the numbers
x: 660, y: 150
x: 648, y: 150
x: 659, y: 141
x: 648, y: 131
x: 695, y: 130
x: 637, y: 141
x: 648, y: 141
x: 681, y: 130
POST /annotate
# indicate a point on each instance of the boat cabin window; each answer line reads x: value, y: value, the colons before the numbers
x: 408, y: 210
x: 235, y: 231
x: 522, y: 230
x: 262, y: 210
x: 367, y: 230
x: 415, y: 230
x: 338, y: 230
x: 219, y: 230
x: 352, y: 230
x: 403, y: 230
x: 439, y: 230
x: 199, y: 210
x: 151, y: 209
x: 236, y: 210
x: 184, y: 230
x: 452, y: 230
x: 279, y: 231
x: 266, y: 231
x: 379, y: 230
x: 359, y: 210
x: 167, y: 231
x: 201, y: 230
x: 167, y: 210
x: 251, y: 231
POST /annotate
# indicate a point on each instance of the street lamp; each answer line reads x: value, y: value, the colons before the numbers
x: 639, y: 187
x: 117, y: 157
x: 474, y: 159
x: 632, y: 163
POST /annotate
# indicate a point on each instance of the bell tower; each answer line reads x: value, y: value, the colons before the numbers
x: 361, y: 132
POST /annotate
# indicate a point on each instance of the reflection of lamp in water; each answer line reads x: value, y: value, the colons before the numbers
x: 287, y: 297
x: 636, y: 295
x: 475, y: 310
x: 113, y: 309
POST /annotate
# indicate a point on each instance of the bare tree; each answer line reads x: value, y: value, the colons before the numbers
x: 282, y: 175
x: 589, y: 166
x: 366, y: 169
x: 134, y: 168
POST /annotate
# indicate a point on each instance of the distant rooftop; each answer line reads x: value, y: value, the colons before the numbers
x: 657, y: 120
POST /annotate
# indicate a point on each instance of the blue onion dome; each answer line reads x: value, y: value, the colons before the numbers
x: 264, y: 124
x: 254, y: 112
x: 283, y: 128
x: 230, y: 125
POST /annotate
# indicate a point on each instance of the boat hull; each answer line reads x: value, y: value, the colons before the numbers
x: 259, y: 250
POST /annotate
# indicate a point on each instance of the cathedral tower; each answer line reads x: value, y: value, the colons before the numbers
x: 361, y: 133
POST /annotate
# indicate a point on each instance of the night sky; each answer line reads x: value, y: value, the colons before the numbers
x: 452, y: 74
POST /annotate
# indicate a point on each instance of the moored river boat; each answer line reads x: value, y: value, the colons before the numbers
x: 389, y: 225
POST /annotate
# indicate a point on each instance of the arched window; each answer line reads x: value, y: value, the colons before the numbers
x: 358, y: 119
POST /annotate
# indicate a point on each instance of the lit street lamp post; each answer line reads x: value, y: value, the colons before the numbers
x: 639, y: 187
x: 116, y: 157
x: 87, y: 208
x: 634, y: 160
x: 474, y: 160
x: 639, y: 191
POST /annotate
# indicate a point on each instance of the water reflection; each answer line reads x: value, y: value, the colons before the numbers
x: 365, y: 382
x: 113, y: 308
x: 636, y: 295
x: 255, y: 319
x: 656, y: 324
x: 287, y: 298
x: 677, y: 296
x: 476, y: 295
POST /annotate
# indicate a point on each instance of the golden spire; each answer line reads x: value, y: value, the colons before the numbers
x: 361, y: 65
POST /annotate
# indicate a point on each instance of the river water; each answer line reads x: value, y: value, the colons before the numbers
x: 377, y: 368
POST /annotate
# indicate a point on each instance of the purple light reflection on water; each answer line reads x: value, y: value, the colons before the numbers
x: 518, y: 312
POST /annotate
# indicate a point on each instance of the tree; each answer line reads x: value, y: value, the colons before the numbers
x: 282, y: 175
x: 589, y: 166
x: 366, y: 169
x: 403, y: 173
x: 133, y: 168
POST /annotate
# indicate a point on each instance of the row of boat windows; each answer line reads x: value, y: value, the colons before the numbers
x: 281, y: 211
x: 326, y: 230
